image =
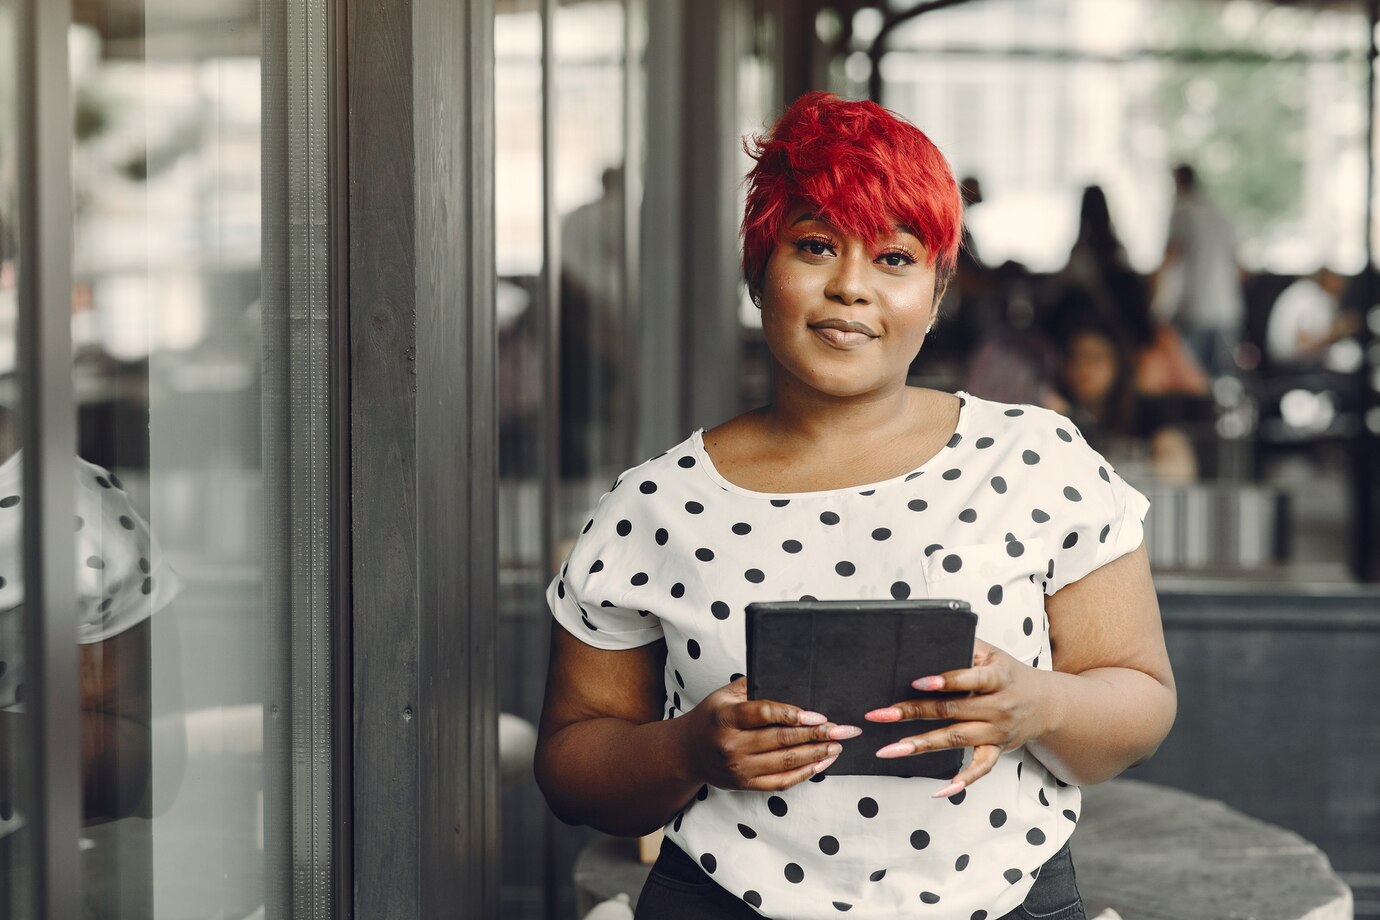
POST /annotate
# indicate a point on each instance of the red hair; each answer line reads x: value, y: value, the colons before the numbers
x: 858, y: 166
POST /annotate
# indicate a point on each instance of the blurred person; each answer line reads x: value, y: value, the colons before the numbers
x: 1098, y: 380
x: 1306, y: 319
x: 852, y: 484
x: 1098, y: 265
x: 1198, y: 284
x: 122, y: 580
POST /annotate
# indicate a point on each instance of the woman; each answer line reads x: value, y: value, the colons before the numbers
x: 852, y: 485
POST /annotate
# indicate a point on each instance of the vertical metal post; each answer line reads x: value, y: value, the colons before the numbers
x: 1364, y: 559
x: 49, y: 443
x: 634, y: 19
x: 549, y: 334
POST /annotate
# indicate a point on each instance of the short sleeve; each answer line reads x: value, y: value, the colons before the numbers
x: 588, y: 596
x: 1103, y: 521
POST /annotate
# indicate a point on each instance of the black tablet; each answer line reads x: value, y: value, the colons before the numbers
x: 846, y: 658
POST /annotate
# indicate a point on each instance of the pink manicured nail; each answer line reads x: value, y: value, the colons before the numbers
x: 812, y: 718
x: 899, y: 749
x: 929, y: 683
x: 954, y: 787
x: 844, y: 732
x: 888, y: 714
x: 825, y: 764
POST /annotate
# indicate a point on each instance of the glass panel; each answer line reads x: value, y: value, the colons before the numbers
x: 15, y: 838
x: 198, y: 322
x: 1240, y: 441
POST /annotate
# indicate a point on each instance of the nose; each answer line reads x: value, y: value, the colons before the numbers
x: 848, y: 283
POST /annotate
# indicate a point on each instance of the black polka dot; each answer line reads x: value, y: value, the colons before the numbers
x: 794, y: 874
x: 1049, y: 573
x: 917, y: 504
x: 588, y: 525
x: 126, y: 522
x: 753, y: 898
x: 104, y: 483
x: 792, y: 546
x: 624, y: 528
x: 677, y: 590
x: 994, y: 595
x: 958, y: 797
x: 869, y: 492
x: 596, y: 566
x: 662, y: 536
x: 1038, y: 516
x: 709, y: 863
x: 704, y: 554
x: 1044, y: 800
x: 867, y: 807
x: 913, y: 476
x: 920, y: 840
x: 933, y: 548
x: 742, y: 529
x: 735, y: 677
x: 997, y: 818
x: 144, y: 565
x: 1069, y: 813
x: 880, y: 534
x: 1064, y: 435
x: 675, y: 701
x: 95, y: 562
x: 694, y: 507
x: 1102, y: 537
x: 755, y: 576
x: 1071, y: 540
x: 1030, y: 457
x: 828, y: 845
x: 829, y: 517
x: 719, y: 609
x: 1015, y: 413
x: 1102, y: 471
x: 968, y: 515
x: 703, y: 793
x: 978, y: 915
x: 877, y: 876
x: 900, y: 590
x: 951, y: 475
x: 680, y: 680
x: 983, y: 443
x: 929, y: 897
x: 1013, y: 875
x: 560, y: 589
x: 808, y: 597
x: 81, y: 523
x: 999, y: 485
x: 845, y: 568
x: 952, y: 563
x: 842, y: 906
x: 1028, y: 626
x: 961, y: 863
x: 639, y: 579
x: 1015, y: 548
x: 676, y: 824
x: 956, y: 440
x: 647, y: 487
x: 746, y: 831
x: 777, y: 806
x: 1035, y: 836
x: 1020, y: 765
x: 780, y: 502
x: 686, y: 462
x: 9, y: 501
x: 692, y: 648
x: 1072, y: 494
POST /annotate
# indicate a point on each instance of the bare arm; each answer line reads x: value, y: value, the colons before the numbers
x: 607, y: 759
x: 1107, y: 705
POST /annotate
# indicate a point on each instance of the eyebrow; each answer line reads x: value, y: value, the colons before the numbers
x: 897, y: 228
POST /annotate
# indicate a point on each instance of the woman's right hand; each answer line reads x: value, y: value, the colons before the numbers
x: 735, y: 743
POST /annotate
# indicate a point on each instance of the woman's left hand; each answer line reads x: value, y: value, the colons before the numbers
x: 997, y: 705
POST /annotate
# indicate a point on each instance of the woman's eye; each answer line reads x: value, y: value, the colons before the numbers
x: 895, y: 259
x: 816, y: 247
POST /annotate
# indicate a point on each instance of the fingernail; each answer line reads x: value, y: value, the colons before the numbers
x: 888, y: 714
x: 954, y: 787
x: 844, y: 732
x: 899, y: 749
x: 834, y: 749
x: 812, y: 718
x: 929, y: 683
x: 825, y: 764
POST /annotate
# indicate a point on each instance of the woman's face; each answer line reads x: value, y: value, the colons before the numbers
x: 842, y: 317
x: 1090, y: 367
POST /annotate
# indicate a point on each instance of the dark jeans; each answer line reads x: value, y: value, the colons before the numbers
x: 678, y: 889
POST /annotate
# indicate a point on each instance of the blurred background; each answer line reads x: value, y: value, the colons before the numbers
x: 1171, y: 208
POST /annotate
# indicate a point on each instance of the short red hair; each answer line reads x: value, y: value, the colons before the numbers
x: 858, y: 166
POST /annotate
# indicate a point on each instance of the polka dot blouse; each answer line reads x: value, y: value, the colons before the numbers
x: 1013, y: 508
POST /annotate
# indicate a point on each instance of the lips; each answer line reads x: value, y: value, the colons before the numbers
x: 843, y: 333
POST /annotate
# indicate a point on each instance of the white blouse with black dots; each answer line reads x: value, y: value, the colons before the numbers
x: 1013, y: 508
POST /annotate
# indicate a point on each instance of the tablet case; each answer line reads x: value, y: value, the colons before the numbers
x: 846, y: 658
